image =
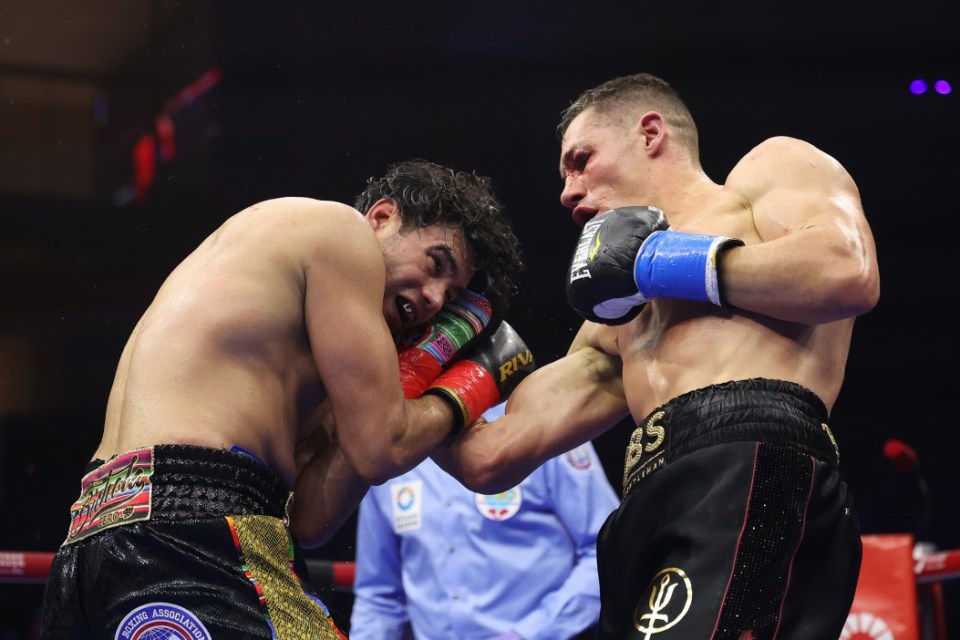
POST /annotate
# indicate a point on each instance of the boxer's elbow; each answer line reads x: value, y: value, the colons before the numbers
x: 866, y: 291
x: 309, y: 525
x: 376, y: 466
x: 477, y: 477
x: 377, y: 460
x: 491, y: 472
x: 852, y: 284
x: 493, y: 484
x: 854, y: 294
x: 308, y: 535
x: 375, y: 470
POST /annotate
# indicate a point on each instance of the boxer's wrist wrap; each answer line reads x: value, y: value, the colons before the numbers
x: 673, y: 264
x: 457, y: 407
x: 469, y: 389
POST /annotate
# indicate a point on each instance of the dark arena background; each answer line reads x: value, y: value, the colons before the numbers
x: 129, y: 129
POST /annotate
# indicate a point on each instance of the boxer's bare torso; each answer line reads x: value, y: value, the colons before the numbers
x: 222, y: 356
x: 806, y: 270
x: 675, y: 346
x: 787, y: 322
x: 288, y: 302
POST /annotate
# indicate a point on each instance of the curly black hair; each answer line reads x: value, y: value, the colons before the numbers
x: 428, y: 193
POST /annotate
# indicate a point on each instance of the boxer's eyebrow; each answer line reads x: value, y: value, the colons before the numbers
x: 569, y: 159
x: 565, y: 160
x: 451, y: 255
x: 449, y: 258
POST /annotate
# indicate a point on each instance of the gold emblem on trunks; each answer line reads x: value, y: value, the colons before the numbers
x: 833, y: 440
x: 663, y: 605
x: 645, y: 439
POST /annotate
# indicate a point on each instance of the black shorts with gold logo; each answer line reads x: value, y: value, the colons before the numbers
x: 734, y: 518
x: 180, y: 541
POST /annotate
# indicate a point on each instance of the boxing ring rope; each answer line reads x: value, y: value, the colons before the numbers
x: 32, y: 567
x: 938, y: 566
x: 930, y: 570
x: 24, y: 567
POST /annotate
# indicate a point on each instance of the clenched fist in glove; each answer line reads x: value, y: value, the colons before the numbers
x: 628, y: 256
x: 484, y: 375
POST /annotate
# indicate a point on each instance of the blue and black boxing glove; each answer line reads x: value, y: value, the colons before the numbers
x: 628, y: 256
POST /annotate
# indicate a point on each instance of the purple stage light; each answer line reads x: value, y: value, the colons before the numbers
x: 918, y: 86
x: 942, y: 87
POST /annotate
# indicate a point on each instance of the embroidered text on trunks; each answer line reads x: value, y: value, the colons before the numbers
x: 118, y: 492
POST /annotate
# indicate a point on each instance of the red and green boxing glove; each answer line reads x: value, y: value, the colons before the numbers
x: 454, y: 328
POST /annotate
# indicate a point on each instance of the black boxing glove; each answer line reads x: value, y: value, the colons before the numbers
x: 485, y: 375
x: 628, y: 256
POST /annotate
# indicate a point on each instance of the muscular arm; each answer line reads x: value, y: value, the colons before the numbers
x: 556, y: 408
x: 816, y: 261
x: 381, y: 434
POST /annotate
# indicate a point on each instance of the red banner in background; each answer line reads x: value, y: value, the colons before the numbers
x: 885, y: 604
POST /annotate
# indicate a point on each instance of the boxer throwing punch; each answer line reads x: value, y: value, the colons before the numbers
x: 719, y: 316
x: 292, y: 305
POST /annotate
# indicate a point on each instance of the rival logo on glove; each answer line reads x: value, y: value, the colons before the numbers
x: 484, y: 375
x: 516, y: 364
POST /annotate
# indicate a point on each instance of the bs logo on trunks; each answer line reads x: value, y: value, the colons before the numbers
x: 645, y: 451
x: 664, y: 603
x: 161, y: 620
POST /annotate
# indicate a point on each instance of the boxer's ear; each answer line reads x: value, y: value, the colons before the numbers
x: 652, y: 129
x: 383, y: 212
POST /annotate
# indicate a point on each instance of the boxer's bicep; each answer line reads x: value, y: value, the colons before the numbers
x: 352, y: 346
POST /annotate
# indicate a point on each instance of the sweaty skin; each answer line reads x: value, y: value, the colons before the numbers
x: 807, y: 269
x: 290, y: 303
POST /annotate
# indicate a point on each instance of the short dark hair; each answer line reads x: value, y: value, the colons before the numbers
x: 628, y: 92
x: 428, y: 193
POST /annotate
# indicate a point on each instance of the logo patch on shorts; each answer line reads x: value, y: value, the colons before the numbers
x: 664, y: 603
x: 161, y: 621
x: 116, y: 493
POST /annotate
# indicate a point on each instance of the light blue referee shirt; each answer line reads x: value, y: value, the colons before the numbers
x: 460, y: 565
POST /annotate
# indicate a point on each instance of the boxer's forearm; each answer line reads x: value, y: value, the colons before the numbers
x: 327, y: 492
x: 555, y: 409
